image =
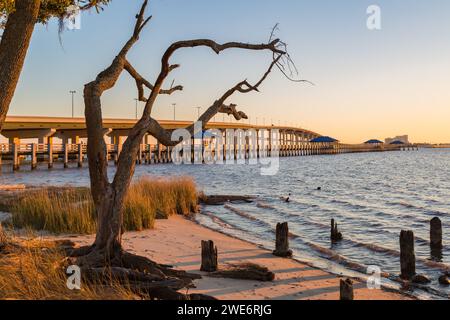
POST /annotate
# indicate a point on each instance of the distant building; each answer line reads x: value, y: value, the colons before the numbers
x: 404, y: 139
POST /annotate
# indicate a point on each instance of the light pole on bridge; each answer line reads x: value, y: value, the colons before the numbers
x: 174, y: 105
x: 72, y: 92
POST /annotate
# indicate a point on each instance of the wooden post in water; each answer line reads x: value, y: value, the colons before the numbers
x: 33, y: 156
x: 282, y: 241
x: 209, y: 256
x: 335, y: 234
x: 407, y: 256
x: 346, y: 289
x: 436, y: 233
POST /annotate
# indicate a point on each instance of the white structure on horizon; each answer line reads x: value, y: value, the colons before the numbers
x: 404, y: 139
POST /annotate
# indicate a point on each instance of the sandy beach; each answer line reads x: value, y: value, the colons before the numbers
x: 176, y: 241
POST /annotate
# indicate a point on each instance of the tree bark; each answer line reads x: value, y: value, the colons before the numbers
x: 3, y: 238
x: 13, y: 49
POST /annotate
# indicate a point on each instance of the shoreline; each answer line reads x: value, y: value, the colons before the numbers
x: 176, y: 241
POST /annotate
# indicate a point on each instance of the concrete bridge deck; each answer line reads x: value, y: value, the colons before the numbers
x: 289, y: 141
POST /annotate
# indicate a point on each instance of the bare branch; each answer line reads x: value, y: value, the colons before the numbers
x: 166, y: 68
x: 141, y: 82
x: 286, y: 62
x: 231, y: 109
x: 219, y: 106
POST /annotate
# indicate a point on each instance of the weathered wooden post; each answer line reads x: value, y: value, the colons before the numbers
x: 33, y: 156
x: 407, y: 257
x: 282, y: 241
x: 346, y: 289
x: 335, y: 234
x: 209, y: 256
x: 436, y: 233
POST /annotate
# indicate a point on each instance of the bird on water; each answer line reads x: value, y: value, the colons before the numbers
x: 286, y: 199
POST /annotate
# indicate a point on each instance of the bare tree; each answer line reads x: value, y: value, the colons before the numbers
x: 21, y: 17
x: 13, y: 49
x: 109, y: 196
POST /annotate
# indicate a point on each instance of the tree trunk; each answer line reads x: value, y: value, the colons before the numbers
x: 3, y: 238
x: 13, y: 49
x: 109, y: 224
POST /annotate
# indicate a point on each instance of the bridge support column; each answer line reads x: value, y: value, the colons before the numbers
x: 66, y: 155
x: 160, y: 153
x: 50, y: 153
x: 15, y: 154
x: 269, y: 146
x: 151, y: 158
x: 281, y: 143
x: 33, y: 156
x: 80, y: 155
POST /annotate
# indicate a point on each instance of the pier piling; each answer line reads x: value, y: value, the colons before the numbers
x: 346, y: 289
x: 209, y: 256
x: 436, y: 233
x: 282, y: 241
x: 407, y: 256
x: 335, y: 234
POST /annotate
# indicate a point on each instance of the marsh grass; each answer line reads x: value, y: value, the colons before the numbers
x: 71, y: 210
x: 34, y: 269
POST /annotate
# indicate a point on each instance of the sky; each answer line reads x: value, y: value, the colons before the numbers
x: 367, y: 83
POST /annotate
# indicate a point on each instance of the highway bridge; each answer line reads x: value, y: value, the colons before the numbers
x: 33, y: 140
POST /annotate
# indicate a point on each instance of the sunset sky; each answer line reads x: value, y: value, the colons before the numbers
x: 368, y: 84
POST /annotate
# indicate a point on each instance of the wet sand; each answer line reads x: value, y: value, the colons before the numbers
x: 176, y: 241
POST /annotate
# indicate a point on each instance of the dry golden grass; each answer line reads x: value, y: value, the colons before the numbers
x: 71, y: 210
x: 35, y: 270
